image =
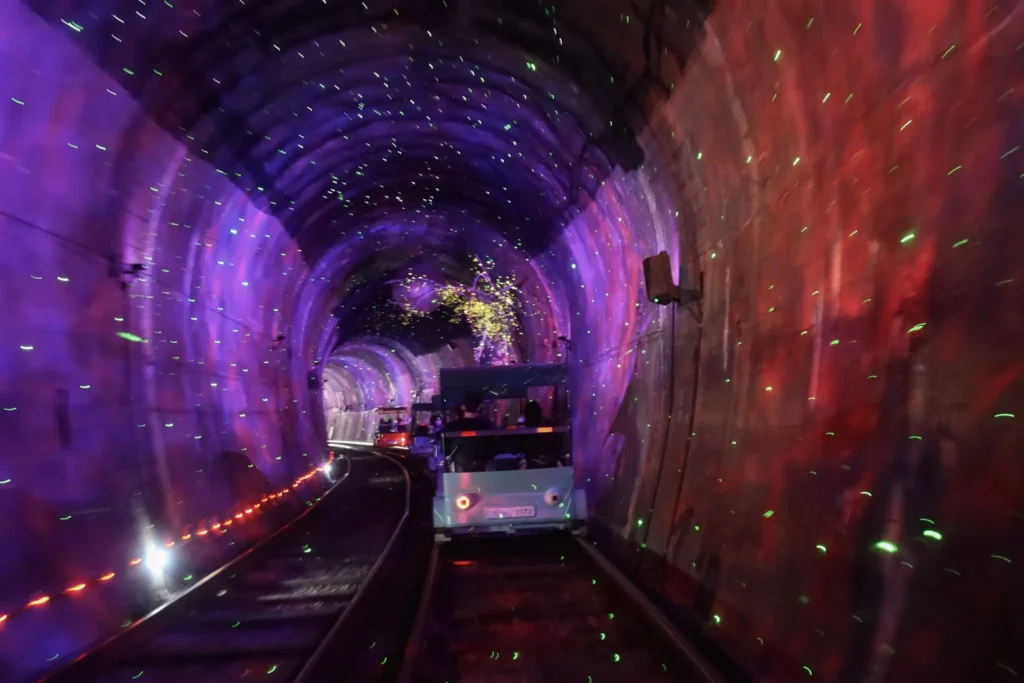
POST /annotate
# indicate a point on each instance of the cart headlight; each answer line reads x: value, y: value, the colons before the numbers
x: 553, y: 497
x: 463, y: 502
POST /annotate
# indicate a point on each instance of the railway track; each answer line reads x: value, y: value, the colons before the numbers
x: 337, y: 595
x: 539, y: 608
x: 271, y: 613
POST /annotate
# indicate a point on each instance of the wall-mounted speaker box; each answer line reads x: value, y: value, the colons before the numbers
x: 661, y: 286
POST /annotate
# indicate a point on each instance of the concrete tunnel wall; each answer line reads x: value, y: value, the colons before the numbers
x: 841, y: 501
x: 118, y: 403
x: 846, y: 179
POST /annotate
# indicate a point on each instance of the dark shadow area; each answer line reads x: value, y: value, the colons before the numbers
x: 624, y: 440
x: 244, y: 480
x: 671, y: 581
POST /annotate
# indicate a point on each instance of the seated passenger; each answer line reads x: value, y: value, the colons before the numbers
x: 544, y: 450
x: 533, y: 415
x: 472, y: 454
x: 469, y: 421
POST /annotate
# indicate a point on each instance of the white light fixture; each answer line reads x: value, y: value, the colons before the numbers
x: 156, y: 560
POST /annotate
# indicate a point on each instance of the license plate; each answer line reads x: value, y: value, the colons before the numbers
x: 511, y: 513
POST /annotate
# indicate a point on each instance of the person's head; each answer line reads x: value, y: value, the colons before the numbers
x: 533, y: 415
x: 472, y: 403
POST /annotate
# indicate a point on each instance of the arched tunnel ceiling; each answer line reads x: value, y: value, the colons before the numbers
x: 456, y: 124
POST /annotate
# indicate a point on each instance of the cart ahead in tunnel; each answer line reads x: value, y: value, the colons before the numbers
x: 517, y: 474
x: 392, y: 428
x: 423, y: 435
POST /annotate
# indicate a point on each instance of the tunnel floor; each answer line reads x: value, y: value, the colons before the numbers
x: 264, y: 616
x: 535, y: 608
x: 498, y: 609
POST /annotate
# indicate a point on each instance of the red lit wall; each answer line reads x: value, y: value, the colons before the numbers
x: 843, y: 500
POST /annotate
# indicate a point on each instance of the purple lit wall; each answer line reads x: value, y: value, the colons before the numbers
x: 118, y: 403
x: 815, y: 469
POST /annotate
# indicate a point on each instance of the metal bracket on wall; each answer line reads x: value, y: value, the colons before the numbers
x: 688, y: 296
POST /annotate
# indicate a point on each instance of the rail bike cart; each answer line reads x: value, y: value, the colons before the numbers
x: 513, y: 477
x: 392, y: 428
x: 423, y: 436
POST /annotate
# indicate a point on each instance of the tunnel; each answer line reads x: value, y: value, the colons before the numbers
x: 231, y: 230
